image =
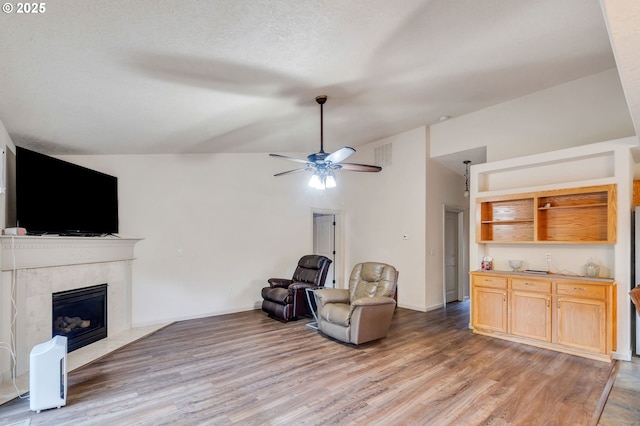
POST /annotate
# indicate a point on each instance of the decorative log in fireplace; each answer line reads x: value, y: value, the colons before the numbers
x: 80, y: 315
x: 66, y: 325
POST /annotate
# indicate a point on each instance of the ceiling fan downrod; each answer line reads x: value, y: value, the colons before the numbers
x: 321, y: 100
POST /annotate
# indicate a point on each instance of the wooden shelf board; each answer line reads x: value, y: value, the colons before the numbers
x: 506, y: 222
x: 573, y: 207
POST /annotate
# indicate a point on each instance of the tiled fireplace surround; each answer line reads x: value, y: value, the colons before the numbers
x: 38, y: 266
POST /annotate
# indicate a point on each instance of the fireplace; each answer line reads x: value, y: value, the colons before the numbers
x: 37, y: 267
x: 80, y: 315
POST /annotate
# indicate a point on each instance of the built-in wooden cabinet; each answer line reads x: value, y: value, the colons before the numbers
x: 530, y: 308
x: 582, y: 316
x: 584, y: 215
x: 491, y: 294
x: 568, y: 314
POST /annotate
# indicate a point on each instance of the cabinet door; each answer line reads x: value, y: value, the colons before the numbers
x: 489, y: 309
x: 530, y: 315
x: 581, y: 323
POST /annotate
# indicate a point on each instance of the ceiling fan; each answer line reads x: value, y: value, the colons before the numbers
x: 325, y: 164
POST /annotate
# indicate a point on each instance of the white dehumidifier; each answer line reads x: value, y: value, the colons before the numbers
x: 48, y: 375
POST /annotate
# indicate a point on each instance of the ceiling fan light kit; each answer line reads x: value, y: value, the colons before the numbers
x: 323, y: 180
x: 324, y: 165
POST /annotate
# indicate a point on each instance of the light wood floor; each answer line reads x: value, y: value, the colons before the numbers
x: 248, y: 369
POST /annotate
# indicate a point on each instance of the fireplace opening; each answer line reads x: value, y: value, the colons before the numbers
x: 80, y: 315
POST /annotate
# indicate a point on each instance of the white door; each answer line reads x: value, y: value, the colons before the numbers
x: 324, y: 241
x: 451, y: 255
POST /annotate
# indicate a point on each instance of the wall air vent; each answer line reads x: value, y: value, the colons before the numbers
x: 383, y: 155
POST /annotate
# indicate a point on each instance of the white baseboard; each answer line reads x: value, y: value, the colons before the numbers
x: 622, y: 356
x: 190, y: 317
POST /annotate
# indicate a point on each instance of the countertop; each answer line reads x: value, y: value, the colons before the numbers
x: 543, y: 275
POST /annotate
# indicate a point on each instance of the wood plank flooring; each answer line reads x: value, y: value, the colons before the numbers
x: 248, y: 369
x: 623, y: 404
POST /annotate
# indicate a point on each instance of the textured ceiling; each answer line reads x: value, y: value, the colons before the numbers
x: 166, y: 76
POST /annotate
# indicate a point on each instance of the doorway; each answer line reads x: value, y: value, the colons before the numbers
x: 453, y: 259
x: 325, y: 241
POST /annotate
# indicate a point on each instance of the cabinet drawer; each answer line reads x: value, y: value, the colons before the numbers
x: 531, y: 285
x: 490, y: 281
x: 581, y: 290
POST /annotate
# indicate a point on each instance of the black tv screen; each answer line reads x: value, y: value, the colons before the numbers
x: 58, y: 197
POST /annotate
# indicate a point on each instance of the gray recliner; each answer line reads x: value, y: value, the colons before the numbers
x: 363, y: 312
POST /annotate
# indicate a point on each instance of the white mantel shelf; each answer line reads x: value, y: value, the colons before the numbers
x: 28, y: 252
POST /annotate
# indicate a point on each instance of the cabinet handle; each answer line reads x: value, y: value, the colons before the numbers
x: 548, y: 303
x: 504, y: 298
x: 580, y: 288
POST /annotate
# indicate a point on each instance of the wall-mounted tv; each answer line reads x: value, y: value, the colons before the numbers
x: 61, y: 198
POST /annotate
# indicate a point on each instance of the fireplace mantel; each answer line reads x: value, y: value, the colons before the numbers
x: 27, y: 252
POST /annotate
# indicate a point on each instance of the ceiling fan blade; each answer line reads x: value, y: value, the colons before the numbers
x: 284, y: 157
x: 353, y: 167
x: 340, y: 155
x: 292, y: 171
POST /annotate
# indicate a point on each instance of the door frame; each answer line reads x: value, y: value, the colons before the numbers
x: 461, y: 252
x: 338, y: 256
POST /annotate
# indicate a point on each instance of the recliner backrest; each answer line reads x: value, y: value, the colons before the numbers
x: 312, y: 269
x: 370, y: 279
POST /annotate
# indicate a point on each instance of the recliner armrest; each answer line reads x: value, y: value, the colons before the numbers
x: 371, y: 301
x: 301, y: 286
x: 332, y: 295
x: 280, y: 282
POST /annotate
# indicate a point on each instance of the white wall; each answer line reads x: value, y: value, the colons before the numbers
x: 444, y: 188
x: 406, y: 198
x: 621, y: 17
x: 382, y: 207
x: 215, y: 227
x: 591, y: 109
x: 5, y: 286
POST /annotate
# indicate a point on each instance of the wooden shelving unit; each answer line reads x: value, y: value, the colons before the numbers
x: 584, y: 215
x: 581, y: 216
x: 507, y: 220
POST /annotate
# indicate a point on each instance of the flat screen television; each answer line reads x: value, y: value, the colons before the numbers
x: 61, y: 198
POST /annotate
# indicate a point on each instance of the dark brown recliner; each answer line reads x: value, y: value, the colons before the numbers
x: 286, y: 299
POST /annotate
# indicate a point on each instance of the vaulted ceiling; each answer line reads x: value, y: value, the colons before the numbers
x: 162, y: 76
